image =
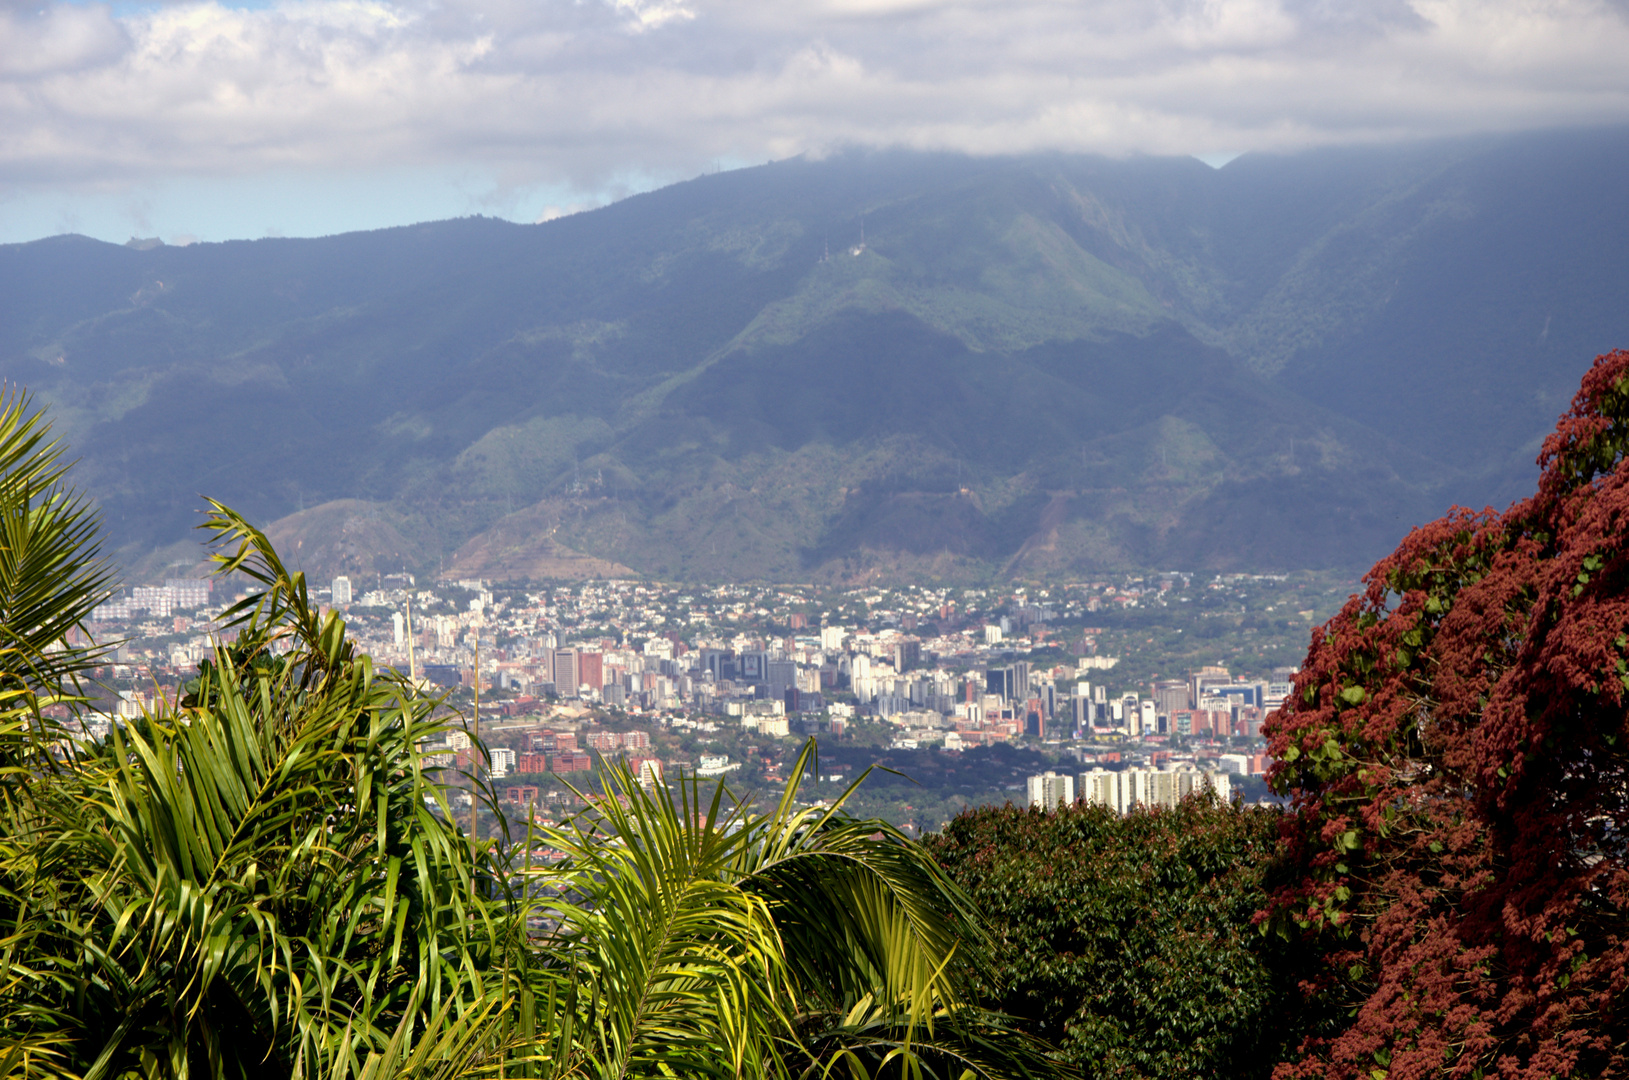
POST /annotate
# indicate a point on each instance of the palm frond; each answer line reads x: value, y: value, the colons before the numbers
x: 51, y: 572
x: 678, y: 968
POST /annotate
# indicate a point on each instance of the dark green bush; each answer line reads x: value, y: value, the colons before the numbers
x: 1128, y: 942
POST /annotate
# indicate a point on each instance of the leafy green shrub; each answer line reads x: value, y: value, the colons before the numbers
x: 1128, y: 942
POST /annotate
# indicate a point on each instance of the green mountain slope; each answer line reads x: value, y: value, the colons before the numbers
x: 1029, y: 366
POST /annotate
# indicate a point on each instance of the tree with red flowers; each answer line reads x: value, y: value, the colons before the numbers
x: 1456, y: 751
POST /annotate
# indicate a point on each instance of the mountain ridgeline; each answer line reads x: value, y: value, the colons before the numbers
x: 1028, y: 367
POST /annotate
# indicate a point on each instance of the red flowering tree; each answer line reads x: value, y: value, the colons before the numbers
x: 1457, y: 754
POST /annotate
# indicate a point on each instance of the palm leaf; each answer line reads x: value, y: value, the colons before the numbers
x: 51, y: 572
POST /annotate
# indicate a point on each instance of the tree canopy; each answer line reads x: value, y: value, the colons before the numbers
x: 1126, y: 941
x: 1456, y: 751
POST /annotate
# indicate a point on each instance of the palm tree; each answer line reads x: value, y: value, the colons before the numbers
x: 51, y: 578
x: 263, y: 878
x: 260, y: 879
x: 696, y: 937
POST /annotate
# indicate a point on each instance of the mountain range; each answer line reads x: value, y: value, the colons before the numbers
x: 872, y: 365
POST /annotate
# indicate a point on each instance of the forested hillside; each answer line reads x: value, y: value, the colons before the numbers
x: 1029, y: 366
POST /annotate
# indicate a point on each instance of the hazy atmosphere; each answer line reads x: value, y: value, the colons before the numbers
x: 208, y: 121
x: 893, y: 539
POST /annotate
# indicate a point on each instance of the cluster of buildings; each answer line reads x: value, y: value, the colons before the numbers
x: 953, y: 668
x: 156, y: 601
x: 1124, y: 790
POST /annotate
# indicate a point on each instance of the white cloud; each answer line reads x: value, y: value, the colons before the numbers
x: 576, y: 93
x: 36, y: 42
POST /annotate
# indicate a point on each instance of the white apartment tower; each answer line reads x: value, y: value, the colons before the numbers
x: 341, y: 591
x: 1121, y: 791
x: 1050, y: 791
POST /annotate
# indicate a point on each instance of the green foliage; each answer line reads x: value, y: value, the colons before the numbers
x: 697, y: 936
x: 255, y: 880
x: 51, y: 575
x: 1128, y: 941
x: 261, y: 878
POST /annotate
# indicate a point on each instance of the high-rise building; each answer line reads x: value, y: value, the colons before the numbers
x: 650, y: 774
x: 1171, y: 696
x: 753, y: 667
x: 341, y: 591
x: 779, y: 677
x: 1082, y: 715
x: 396, y: 627
x: 1101, y: 787
x: 565, y: 673
x: 1201, y: 682
x: 1121, y: 791
x: 188, y: 592
x: 591, y: 670
x: 1011, y: 683
x: 831, y: 638
x: 1131, y: 715
x: 1050, y: 791
x: 157, y: 600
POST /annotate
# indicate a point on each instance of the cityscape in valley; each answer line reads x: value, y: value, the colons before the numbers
x: 1128, y: 690
x: 910, y: 539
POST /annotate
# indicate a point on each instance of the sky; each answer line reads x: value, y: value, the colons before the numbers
x: 208, y: 121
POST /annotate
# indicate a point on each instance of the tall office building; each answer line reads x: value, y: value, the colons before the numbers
x: 1082, y: 715
x: 753, y: 667
x: 565, y: 672
x: 1010, y: 683
x: 1171, y: 697
x: 1020, y: 678
x: 1131, y: 715
x: 1201, y: 683
x: 779, y: 677
x: 591, y: 670
x: 341, y: 591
